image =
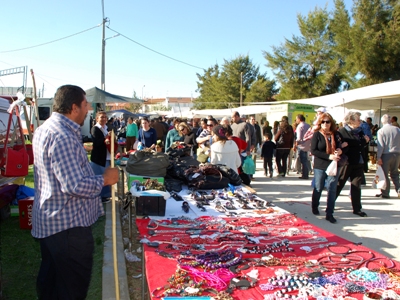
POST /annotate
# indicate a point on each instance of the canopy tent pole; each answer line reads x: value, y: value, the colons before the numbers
x: 114, y: 231
x: 380, y: 113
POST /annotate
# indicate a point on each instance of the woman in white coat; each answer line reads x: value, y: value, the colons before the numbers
x: 224, y: 151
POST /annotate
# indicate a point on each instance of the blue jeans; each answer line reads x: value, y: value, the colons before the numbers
x: 331, y: 182
x: 99, y: 170
x: 304, y: 163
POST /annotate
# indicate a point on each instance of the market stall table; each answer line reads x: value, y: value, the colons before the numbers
x: 258, y: 249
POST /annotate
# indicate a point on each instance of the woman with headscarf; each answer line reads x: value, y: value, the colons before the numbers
x: 352, y: 134
x: 224, y: 151
x: 326, y: 147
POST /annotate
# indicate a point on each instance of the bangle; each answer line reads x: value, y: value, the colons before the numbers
x: 346, y: 248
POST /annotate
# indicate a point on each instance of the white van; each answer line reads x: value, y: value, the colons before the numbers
x: 45, y: 109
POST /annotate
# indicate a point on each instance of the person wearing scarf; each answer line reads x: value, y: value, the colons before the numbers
x: 326, y: 147
x: 352, y: 134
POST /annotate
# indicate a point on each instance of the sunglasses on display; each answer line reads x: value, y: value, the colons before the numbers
x: 327, y: 122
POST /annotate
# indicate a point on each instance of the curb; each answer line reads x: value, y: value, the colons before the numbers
x: 108, y: 281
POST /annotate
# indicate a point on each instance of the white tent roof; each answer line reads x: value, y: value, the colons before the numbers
x: 373, y: 97
x: 96, y: 95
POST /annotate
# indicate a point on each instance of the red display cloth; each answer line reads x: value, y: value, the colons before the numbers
x: 159, y: 269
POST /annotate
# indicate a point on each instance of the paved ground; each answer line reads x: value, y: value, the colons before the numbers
x: 379, y: 231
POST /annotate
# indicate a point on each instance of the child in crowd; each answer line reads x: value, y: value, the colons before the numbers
x: 267, y: 153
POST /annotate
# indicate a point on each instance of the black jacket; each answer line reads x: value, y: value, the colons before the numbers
x: 99, y: 151
x: 318, y: 149
x: 355, y: 147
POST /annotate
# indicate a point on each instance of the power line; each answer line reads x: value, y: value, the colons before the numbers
x: 159, y: 53
x: 63, y: 38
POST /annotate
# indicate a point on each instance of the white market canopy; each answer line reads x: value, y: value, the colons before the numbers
x: 96, y: 95
x: 383, y: 96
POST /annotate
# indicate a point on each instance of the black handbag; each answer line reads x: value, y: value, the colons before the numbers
x: 233, y: 176
x: 145, y: 163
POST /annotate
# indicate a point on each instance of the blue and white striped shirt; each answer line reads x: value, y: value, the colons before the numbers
x: 66, y: 189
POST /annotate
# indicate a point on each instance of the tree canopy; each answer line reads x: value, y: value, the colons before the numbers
x: 336, y: 52
x: 237, y: 79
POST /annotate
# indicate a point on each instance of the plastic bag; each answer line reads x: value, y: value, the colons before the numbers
x: 249, y: 166
x: 379, y: 181
x: 332, y: 168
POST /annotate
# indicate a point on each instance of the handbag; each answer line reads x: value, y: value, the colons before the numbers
x: 280, y: 140
x: 147, y: 163
x: 202, y: 157
x: 206, y: 177
x: 227, y: 172
x: 15, y: 160
x: 343, y: 161
x: 379, y: 181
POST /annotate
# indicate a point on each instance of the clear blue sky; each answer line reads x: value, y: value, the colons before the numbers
x: 199, y: 33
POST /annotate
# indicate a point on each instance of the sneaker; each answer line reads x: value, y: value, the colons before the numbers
x: 331, y: 219
x: 105, y: 199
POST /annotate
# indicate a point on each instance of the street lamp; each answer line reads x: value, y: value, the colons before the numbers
x: 142, y: 91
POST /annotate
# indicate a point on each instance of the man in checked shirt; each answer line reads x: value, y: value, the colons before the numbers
x: 67, y: 199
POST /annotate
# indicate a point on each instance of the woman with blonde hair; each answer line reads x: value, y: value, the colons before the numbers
x: 189, y: 137
x: 224, y: 151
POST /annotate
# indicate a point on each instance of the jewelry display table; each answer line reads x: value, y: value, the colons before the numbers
x: 258, y: 252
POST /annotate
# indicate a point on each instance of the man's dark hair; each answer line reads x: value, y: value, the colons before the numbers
x: 268, y: 135
x: 66, y: 96
x: 394, y: 118
x: 369, y: 118
x: 301, y: 117
x: 204, y: 120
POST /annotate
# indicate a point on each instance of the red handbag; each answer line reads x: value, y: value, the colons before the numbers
x: 15, y: 161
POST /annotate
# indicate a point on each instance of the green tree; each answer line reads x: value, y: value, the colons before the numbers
x: 375, y: 41
x: 222, y: 88
x: 307, y: 66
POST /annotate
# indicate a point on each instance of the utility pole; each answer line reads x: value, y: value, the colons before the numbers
x: 241, y: 88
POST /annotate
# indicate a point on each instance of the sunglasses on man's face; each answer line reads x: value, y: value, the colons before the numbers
x: 210, y: 125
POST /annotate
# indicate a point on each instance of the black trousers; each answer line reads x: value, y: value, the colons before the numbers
x: 66, y: 268
x: 281, y: 160
x: 355, y: 173
x: 268, y: 165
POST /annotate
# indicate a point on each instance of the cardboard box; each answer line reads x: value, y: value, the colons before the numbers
x: 142, y: 179
x: 150, y: 205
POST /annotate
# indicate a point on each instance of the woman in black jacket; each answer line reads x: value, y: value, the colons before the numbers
x: 326, y: 147
x: 100, y: 156
x: 357, y: 140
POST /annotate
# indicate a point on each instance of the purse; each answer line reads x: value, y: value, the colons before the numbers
x: 15, y: 160
x: 147, y: 163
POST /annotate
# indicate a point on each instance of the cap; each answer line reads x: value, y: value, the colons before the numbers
x: 321, y: 109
